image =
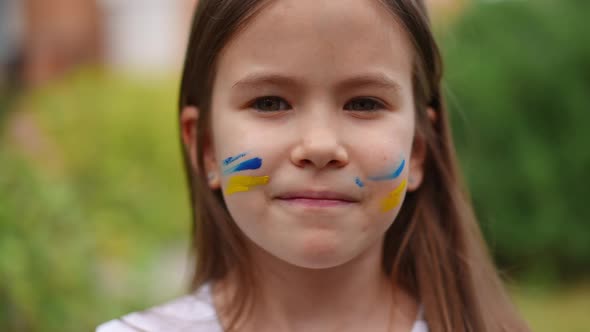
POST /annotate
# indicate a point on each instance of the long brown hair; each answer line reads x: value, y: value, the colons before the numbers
x: 434, y: 248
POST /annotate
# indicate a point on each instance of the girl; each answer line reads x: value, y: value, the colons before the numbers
x: 324, y: 184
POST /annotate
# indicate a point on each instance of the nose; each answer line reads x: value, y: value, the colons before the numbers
x: 320, y: 145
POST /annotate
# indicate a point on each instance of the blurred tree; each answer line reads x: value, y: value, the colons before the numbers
x: 518, y: 74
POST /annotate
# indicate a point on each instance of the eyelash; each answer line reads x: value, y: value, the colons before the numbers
x: 377, y: 105
x: 256, y: 102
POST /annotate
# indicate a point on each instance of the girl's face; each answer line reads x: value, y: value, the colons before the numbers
x: 313, y: 129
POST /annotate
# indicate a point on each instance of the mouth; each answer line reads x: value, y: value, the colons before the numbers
x: 317, y: 199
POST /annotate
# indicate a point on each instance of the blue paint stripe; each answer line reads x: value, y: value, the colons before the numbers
x: 230, y: 160
x: 399, y: 170
x: 391, y: 176
x: 254, y: 163
x: 359, y: 182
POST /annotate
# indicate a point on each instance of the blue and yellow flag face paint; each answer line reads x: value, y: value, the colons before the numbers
x: 390, y: 176
x: 242, y: 183
x: 394, y: 198
x: 254, y: 163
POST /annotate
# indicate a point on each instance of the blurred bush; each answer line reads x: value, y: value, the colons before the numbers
x: 91, y: 192
x: 518, y: 75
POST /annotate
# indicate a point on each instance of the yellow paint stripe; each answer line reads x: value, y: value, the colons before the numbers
x: 241, y: 183
x: 393, y: 199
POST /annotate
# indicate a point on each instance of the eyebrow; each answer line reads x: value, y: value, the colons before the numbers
x: 375, y: 80
x: 259, y: 79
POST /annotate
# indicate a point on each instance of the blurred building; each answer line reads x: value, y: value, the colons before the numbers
x: 42, y: 39
x: 144, y: 35
x: 58, y: 35
x: 11, y: 34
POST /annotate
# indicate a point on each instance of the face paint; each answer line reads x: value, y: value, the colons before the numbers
x: 358, y: 182
x: 253, y: 163
x: 241, y: 183
x: 230, y: 160
x: 390, y: 176
x: 394, y: 198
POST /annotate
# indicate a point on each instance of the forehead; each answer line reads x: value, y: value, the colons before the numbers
x: 319, y: 40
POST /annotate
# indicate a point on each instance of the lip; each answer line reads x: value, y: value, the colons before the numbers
x: 317, y: 198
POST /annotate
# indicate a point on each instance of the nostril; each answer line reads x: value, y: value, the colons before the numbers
x: 335, y: 163
x: 305, y: 162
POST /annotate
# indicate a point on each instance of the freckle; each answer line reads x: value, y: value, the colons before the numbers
x: 364, y: 228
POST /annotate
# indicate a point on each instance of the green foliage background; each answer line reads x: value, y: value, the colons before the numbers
x: 92, y: 194
x: 518, y: 74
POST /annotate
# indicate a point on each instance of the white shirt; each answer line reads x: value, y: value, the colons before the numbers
x: 194, y: 313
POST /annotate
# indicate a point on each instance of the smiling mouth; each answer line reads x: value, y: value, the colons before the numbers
x: 316, y: 202
x: 317, y: 199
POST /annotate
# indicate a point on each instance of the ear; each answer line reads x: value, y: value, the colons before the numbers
x: 418, y: 157
x: 189, y: 117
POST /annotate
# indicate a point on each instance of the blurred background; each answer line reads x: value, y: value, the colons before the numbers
x: 94, y: 214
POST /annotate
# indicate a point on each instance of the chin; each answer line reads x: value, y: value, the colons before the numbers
x: 321, y: 253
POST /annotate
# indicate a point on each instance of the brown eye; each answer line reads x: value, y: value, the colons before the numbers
x: 270, y: 104
x: 363, y: 104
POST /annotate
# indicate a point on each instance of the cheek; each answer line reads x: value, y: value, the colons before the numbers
x: 249, y: 210
x: 245, y: 207
x: 233, y: 136
x: 227, y: 139
x: 382, y: 158
x: 384, y: 179
x: 386, y: 144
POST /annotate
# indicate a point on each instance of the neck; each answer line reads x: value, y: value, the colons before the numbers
x: 351, y: 296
